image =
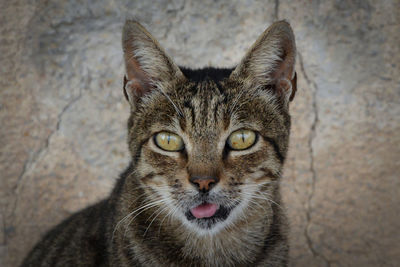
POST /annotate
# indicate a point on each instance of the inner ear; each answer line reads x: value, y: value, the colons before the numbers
x: 135, y: 88
x: 283, y: 75
x: 147, y: 65
x: 270, y: 62
x: 137, y: 83
x: 285, y: 63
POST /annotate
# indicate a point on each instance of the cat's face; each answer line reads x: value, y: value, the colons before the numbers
x: 208, y: 145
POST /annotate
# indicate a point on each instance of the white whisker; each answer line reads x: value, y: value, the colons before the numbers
x: 141, y: 209
x: 161, y: 210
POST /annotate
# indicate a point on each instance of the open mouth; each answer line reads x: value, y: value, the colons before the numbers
x: 207, y: 214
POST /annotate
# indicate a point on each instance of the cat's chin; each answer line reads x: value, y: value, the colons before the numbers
x: 209, y: 222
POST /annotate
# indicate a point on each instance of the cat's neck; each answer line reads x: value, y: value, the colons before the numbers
x: 240, y: 243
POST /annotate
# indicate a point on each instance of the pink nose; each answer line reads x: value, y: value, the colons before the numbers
x: 203, y: 184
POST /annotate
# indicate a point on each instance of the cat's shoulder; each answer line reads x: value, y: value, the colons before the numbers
x: 73, y: 239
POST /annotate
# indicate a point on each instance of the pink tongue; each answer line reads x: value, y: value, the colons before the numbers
x: 204, y: 210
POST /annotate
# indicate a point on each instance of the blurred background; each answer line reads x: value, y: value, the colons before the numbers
x: 63, y: 114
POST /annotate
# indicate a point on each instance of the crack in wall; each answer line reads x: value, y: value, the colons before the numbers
x: 276, y: 10
x: 176, y: 11
x: 314, y: 88
x: 34, y: 158
x: 4, y: 229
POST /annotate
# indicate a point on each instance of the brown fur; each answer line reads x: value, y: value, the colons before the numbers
x: 144, y: 222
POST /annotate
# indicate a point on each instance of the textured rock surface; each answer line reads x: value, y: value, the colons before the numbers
x: 62, y: 113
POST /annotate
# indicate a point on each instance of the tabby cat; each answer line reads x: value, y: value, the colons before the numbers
x: 207, y: 148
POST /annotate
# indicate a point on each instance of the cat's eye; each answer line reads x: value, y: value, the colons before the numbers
x: 169, y: 141
x: 241, y: 139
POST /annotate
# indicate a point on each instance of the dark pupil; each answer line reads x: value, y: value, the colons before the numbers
x: 168, y: 138
x: 243, y: 137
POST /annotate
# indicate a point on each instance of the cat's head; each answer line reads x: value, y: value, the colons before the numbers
x: 208, y: 145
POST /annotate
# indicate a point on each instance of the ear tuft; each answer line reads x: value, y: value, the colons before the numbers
x: 270, y: 61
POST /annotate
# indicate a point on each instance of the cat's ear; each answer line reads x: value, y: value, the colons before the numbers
x: 270, y: 61
x: 147, y: 65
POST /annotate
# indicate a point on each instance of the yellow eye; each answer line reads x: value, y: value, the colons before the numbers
x: 241, y: 139
x: 168, y: 141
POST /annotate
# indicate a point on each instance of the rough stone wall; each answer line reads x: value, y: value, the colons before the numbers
x: 63, y: 114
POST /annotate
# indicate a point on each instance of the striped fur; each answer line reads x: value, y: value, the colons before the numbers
x: 145, y: 220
